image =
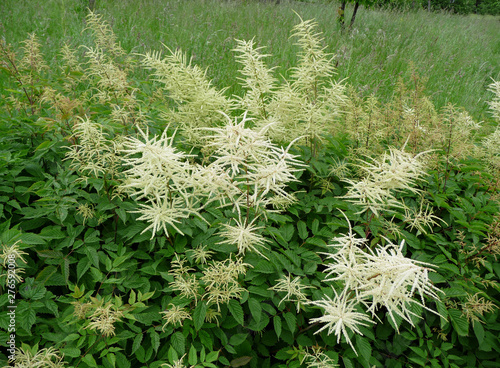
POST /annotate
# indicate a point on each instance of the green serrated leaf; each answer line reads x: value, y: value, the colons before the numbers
x: 32, y: 239
x: 260, y: 290
x: 347, y: 362
x: 236, y: 311
x: 192, y: 356
x: 454, y: 292
x: 137, y: 342
x: 316, y: 241
x: 82, y: 267
x: 203, y: 354
x: 420, y: 361
x: 276, y: 234
x: 71, y: 337
x: 212, y: 356
x: 199, y: 314
x: 302, y: 228
x: 45, y: 274
x: 291, y: 321
x: 92, y: 254
x: 459, y: 322
x: 237, y: 339
x: 292, y: 256
x: 71, y: 352
x: 155, y: 340
x: 224, y: 360
x: 53, y: 232
x: 363, y: 347
x: 66, y: 269
x: 122, y: 214
x: 53, y: 254
x: 287, y: 232
x: 419, y: 351
x: 90, y: 361
x: 478, y: 331
x: 172, y: 355
x: 443, y: 312
x: 145, y: 296
x: 277, y: 325
x: 132, y: 297
x: 111, y: 359
x: 255, y: 309
x: 122, y: 361
x: 315, y: 226
x: 264, y: 267
x: 32, y: 291
x: 206, y: 339
x: 178, y: 341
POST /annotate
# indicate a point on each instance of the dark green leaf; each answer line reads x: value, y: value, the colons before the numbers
x: 155, y: 340
x: 212, y: 356
x: 363, y: 347
x: 90, y: 361
x: 459, y: 322
x: 478, y: 331
x: 236, y: 311
x: 347, y: 362
x: 291, y: 321
x: 178, y: 341
x: 71, y: 352
x: 287, y: 232
x: 237, y: 339
x: 277, y: 325
x: 122, y: 361
x: 255, y: 309
x: 137, y: 342
x: 192, y: 356
x: 199, y: 314
x: 302, y: 228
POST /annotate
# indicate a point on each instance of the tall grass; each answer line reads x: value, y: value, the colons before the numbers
x: 458, y: 54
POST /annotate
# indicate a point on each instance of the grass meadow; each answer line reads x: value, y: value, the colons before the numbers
x: 458, y: 55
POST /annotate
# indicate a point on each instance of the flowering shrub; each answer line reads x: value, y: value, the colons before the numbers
x: 163, y: 223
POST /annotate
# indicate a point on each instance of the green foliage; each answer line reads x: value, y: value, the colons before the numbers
x: 94, y: 160
x: 461, y: 7
x: 488, y: 7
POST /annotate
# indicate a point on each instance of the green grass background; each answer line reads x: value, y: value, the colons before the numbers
x: 459, y: 55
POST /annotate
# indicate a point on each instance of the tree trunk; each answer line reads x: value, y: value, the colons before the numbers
x: 353, y: 18
x: 341, y: 12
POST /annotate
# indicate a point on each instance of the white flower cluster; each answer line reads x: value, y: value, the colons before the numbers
x: 255, y: 168
x: 394, y: 171
x: 26, y: 357
x: 491, y: 143
x: 93, y: 152
x: 373, y: 279
x: 495, y: 103
x: 294, y: 290
x: 304, y: 106
x: 163, y: 176
x: 243, y: 170
x: 196, y: 103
